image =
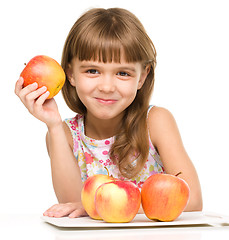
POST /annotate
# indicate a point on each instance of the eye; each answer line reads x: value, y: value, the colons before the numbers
x: 92, y: 71
x: 123, y: 74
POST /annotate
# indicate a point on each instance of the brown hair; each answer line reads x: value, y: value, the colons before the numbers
x: 101, y: 34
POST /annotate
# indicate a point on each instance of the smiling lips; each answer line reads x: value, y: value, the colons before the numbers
x: 106, y: 101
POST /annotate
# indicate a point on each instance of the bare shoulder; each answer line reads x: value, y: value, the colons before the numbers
x: 161, y: 124
x: 159, y: 113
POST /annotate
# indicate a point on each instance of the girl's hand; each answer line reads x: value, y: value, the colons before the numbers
x: 35, y: 100
x: 72, y: 210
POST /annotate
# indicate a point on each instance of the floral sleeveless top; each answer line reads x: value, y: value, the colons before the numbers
x: 93, y: 155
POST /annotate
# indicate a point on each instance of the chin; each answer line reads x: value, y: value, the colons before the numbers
x: 105, y: 114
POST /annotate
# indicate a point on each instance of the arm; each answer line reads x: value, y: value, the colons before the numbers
x: 66, y: 176
x: 165, y: 137
x: 65, y: 171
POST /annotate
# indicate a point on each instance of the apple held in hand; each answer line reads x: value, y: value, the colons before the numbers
x: 117, y: 201
x: 164, y: 196
x: 46, y: 72
x: 88, y: 193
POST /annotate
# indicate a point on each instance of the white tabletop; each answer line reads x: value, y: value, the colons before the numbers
x: 30, y: 226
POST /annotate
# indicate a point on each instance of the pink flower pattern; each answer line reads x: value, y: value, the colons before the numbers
x: 89, y: 158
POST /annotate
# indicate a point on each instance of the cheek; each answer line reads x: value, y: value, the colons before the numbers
x: 129, y: 89
x: 84, y: 85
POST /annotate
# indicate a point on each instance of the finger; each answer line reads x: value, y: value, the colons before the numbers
x: 62, y: 212
x: 18, y: 85
x: 58, y: 213
x: 29, y: 99
x: 68, y: 209
x: 26, y: 90
x: 59, y: 210
x: 78, y: 213
x: 35, y: 94
x: 38, y: 104
x: 42, y: 98
x: 50, y: 209
x: 65, y: 209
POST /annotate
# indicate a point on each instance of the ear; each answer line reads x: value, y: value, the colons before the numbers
x: 143, y: 76
x: 70, y: 76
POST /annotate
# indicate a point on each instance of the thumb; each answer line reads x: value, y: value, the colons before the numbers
x: 18, y: 85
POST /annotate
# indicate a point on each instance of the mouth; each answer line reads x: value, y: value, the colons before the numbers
x: 106, y: 101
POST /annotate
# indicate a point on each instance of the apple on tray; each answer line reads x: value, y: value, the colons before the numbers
x: 164, y: 196
x: 46, y: 72
x: 117, y: 201
x: 88, y: 193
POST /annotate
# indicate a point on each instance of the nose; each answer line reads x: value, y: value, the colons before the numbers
x: 106, y: 84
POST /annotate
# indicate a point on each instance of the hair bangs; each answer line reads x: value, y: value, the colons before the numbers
x: 99, y: 49
x: 108, y: 41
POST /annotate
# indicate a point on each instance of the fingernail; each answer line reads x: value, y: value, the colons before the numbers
x: 44, y: 88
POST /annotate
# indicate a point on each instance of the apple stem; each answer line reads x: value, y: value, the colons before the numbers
x: 178, y: 174
x: 107, y: 171
x: 25, y: 64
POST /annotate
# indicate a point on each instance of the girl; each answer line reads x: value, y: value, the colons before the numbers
x: 109, y: 61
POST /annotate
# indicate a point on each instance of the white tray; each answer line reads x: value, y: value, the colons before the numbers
x: 186, y: 218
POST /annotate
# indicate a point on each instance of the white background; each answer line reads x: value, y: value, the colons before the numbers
x: 192, y: 74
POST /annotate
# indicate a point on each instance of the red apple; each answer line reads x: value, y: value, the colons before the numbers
x: 117, y: 201
x: 46, y: 72
x: 164, y: 197
x: 88, y: 193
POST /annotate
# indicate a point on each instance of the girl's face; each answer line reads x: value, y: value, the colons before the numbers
x: 106, y: 89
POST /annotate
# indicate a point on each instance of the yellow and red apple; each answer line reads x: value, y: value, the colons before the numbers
x: 45, y: 71
x: 164, y: 197
x: 88, y: 193
x: 117, y: 201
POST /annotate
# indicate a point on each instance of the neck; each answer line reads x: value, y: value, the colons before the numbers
x: 101, y: 128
